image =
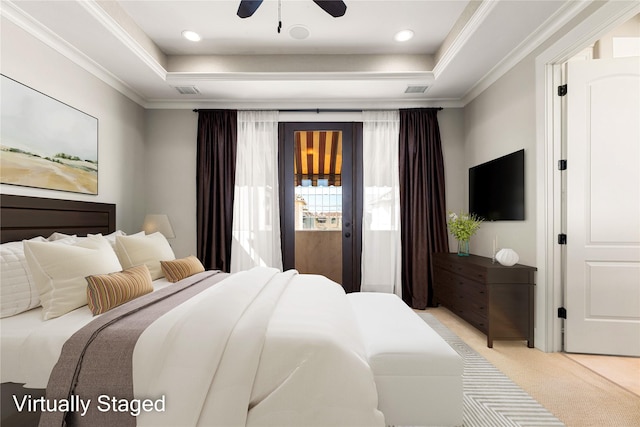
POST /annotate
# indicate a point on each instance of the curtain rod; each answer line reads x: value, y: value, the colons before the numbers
x: 327, y: 110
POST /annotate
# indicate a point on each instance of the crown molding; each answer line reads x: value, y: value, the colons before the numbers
x: 173, y: 77
x: 543, y: 33
x: 170, y: 104
x: 603, y: 20
x: 100, y: 15
x: 464, y: 35
x: 23, y: 20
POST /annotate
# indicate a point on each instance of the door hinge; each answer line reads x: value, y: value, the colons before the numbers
x: 562, y: 165
x: 562, y: 312
x: 562, y: 239
x: 562, y: 90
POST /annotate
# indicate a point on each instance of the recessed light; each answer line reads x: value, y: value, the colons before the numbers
x: 191, y: 35
x: 299, y: 32
x: 403, y: 36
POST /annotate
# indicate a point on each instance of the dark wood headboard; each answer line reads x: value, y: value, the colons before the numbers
x: 23, y: 217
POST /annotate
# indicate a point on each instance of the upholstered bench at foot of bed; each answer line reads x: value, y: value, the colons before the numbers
x: 417, y: 374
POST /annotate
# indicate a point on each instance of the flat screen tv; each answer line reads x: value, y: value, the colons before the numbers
x: 496, y: 188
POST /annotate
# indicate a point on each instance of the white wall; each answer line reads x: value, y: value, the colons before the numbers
x: 451, y: 122
x: 171, y: 173
x: 500, y: 121
x: 121, y: 149
x: 603, y: 48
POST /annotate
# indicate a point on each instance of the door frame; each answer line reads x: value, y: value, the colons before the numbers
x: 351, y: 208
x: 549, y: 137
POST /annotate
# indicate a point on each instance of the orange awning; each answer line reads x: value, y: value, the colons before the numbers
x: 318, y: 155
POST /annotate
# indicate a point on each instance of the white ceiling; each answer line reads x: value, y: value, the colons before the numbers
x: 459, y: 48
x: 366, y: 27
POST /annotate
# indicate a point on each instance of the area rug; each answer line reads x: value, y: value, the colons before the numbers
x: 491, y: 399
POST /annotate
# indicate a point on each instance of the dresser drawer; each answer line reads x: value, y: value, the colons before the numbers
x: 470, y: 271
x: 444, y: 277
x: 473, y: 304
x: 474, y: 290
x: 472, y: 312
x: 449, y: 278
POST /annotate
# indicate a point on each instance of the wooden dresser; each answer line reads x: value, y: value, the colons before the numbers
x: 496, y: 299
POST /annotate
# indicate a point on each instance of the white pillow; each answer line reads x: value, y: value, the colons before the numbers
x: 144, y: 249
x: 55, y: 236
x: 18, y: 291
x: 59, y: 271
x: 111, y: 238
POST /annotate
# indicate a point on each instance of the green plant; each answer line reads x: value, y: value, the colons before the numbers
x: 464, y: 225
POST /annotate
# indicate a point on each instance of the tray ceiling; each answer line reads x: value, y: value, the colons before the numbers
x: 353, y: 61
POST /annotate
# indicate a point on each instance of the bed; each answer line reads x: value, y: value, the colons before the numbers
x: 256, y: 348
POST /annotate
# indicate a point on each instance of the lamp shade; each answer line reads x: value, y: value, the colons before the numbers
x: 158, y: 222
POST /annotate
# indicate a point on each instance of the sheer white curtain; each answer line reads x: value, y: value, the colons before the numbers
x: 256, y: 217
x: 381, y: 250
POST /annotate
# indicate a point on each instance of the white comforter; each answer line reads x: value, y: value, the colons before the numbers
x: 259, y: 348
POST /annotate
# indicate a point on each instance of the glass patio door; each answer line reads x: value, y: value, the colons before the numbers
x: 320, y: 226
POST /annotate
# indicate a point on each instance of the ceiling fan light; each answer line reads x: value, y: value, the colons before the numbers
x: 191, y: 36
x: 403, y: 36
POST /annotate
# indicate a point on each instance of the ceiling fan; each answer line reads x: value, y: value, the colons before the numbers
x: 335, y: 8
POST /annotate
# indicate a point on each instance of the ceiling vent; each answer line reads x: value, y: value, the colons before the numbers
x: 187, y: 90
x: 416, y: 89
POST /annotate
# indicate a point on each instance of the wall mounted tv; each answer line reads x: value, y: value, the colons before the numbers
x: 496, y: 188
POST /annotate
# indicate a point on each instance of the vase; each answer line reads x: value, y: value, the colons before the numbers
x: 507, y: 257
x: 463, y: 248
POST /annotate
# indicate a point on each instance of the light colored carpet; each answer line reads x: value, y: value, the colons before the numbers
x: 576, y: 395
x: 491, y: 399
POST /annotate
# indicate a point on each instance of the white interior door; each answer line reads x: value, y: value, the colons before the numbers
x: 603, y: 207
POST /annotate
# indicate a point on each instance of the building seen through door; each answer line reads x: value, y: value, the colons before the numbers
x: 318, y: 202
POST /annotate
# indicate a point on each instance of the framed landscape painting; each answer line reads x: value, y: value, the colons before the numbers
x: 45, y: 143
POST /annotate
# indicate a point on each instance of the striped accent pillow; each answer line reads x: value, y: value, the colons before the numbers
x: 106, y: 291
x: 181, y: 268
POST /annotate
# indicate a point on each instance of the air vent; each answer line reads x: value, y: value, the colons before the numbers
x: 416, y: 89
x: 187, y: 90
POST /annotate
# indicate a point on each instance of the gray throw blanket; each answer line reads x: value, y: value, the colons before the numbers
x: 97, y: 360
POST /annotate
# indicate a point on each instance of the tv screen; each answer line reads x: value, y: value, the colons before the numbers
x: 496, y: 188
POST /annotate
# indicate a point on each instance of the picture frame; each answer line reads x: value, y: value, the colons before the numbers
x: 46, y: 143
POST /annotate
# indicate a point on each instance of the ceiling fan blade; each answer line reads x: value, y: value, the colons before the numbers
x: 335, y: 8
x: 248, y: 7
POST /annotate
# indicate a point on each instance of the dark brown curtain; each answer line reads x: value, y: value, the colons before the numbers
x: 216, y: 163
x: 422, y: 203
